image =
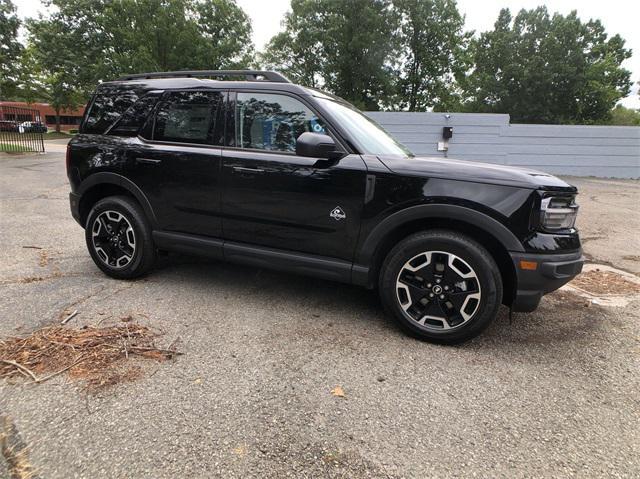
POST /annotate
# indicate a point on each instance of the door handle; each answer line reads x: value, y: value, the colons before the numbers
x: 242, y: 169
x: 148, y: 161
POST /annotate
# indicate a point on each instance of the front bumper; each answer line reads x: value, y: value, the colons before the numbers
x: 550, y: 273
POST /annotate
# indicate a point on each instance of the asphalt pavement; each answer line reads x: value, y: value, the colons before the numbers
x: 553, y: 394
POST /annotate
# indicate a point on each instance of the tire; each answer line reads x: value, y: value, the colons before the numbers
x: 441, y: 286
x: 119, y: 238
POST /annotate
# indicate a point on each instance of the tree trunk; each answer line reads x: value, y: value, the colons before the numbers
x: 57, y: 120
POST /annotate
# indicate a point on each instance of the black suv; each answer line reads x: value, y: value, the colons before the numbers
x: 271, y: 174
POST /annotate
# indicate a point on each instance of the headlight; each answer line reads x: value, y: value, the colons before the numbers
x: 558, y: 212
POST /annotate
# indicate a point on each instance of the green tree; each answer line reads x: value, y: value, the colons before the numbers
x: 127, y: 36
x: 10, y: 49
x: 58, y: 62
x: 622, y: 116
x: 346, y: 46
x: 84, y: 42
x: 225, y: 34
x: 298, y: 51
x: 433, y: 54
x: 547, y: 69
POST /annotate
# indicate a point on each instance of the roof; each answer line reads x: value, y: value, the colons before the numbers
x: 257, y: 80
x: 148, y: 84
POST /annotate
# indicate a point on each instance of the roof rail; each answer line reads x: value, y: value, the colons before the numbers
x: 250, y: 75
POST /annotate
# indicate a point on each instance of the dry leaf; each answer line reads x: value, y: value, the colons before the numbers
x: 44, y: 258
x: 241, y: 450
x: 338, y: 392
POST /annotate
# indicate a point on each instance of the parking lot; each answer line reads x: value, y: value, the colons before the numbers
x: 554, y: 393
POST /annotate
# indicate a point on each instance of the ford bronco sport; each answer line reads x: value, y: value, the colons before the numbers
x: 247, y: 167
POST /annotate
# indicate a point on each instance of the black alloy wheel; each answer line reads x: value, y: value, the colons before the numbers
x: 441, y: 286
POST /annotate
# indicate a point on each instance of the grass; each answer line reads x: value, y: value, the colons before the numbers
x: 10, y: 147
x: 54, y: 135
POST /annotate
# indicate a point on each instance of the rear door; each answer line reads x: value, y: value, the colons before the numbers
x: 274, y: 198
x: 177, y: 161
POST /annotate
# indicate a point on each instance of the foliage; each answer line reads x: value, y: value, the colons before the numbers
x: 57, y: 72
x: 547, y: 69
x: 399, y: 54
x: 432, y: 54
x: 297, y: 51
x: 623, y: 116
x: 346, y: 46
x: 159, y: 35
x: 10, y: 48
x: 87, y: 41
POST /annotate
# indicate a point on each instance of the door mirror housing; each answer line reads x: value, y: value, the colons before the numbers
x: 317, y: 145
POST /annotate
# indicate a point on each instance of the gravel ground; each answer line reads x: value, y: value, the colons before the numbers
x: 555, y: 394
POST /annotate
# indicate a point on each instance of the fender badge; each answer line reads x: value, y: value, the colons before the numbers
x: 337, y: 214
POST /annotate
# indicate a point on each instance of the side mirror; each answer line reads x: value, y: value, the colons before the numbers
x: 317, y: 145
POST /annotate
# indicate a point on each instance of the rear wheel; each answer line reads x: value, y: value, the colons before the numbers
x: 441, y: 286
x: 119, y: 239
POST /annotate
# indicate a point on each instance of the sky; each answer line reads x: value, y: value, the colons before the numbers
x: 618, y: 16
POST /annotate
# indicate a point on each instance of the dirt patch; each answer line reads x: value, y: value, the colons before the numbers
x: 601, y: 282
x: 101, y: 357
x: 570, y: 300
x: 30, y: 279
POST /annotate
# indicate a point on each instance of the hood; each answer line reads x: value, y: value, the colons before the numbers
x: 437, y: 167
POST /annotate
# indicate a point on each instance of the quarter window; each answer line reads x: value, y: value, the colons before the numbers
x: 131, y: 120
x: 189, y: 117
x: 272, y: 122
x: 109, y: 103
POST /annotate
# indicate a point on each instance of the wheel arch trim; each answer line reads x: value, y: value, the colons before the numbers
x: 109, y: 178
x: 369, y: 245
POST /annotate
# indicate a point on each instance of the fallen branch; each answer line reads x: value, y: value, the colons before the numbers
x: 165, y: 351
x: 46, y: 378
x: 107, y: 354
x: 70, y: 317
x: 20, y: 368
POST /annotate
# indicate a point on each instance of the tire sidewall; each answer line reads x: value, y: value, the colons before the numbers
x: 475, y: 255
x: 140, y: 231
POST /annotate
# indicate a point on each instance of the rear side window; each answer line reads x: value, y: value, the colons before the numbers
x: 132, y: 120
x: 109, y: 103
x: 189, y: 117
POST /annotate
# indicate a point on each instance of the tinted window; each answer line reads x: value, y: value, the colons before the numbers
x: 132, y: 120
x: 108, y: 105
x: 189, y: 117
x: 272, y: 122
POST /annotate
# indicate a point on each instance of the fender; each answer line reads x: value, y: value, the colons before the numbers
x: 467, y: 215
x: 104, y: 177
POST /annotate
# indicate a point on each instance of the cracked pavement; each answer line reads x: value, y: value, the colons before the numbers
x: 553, y: 394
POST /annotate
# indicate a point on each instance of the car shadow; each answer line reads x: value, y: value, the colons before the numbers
x: 554, y: 323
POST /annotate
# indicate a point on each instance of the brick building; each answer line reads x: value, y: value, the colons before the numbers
x: 69, y: 119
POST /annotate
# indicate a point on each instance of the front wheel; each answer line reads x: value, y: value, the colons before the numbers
x: 441, y: 286
x: 119, y: 238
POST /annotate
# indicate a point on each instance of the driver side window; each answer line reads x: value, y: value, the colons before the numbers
x: 272, y: 122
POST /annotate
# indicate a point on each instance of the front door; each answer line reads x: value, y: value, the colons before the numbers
x: 274, y: 198
x: 178, y: 166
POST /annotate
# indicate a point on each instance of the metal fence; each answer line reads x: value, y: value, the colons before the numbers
x: 21, y: 129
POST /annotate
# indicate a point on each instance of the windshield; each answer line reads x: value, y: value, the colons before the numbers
x: 370, y: 136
